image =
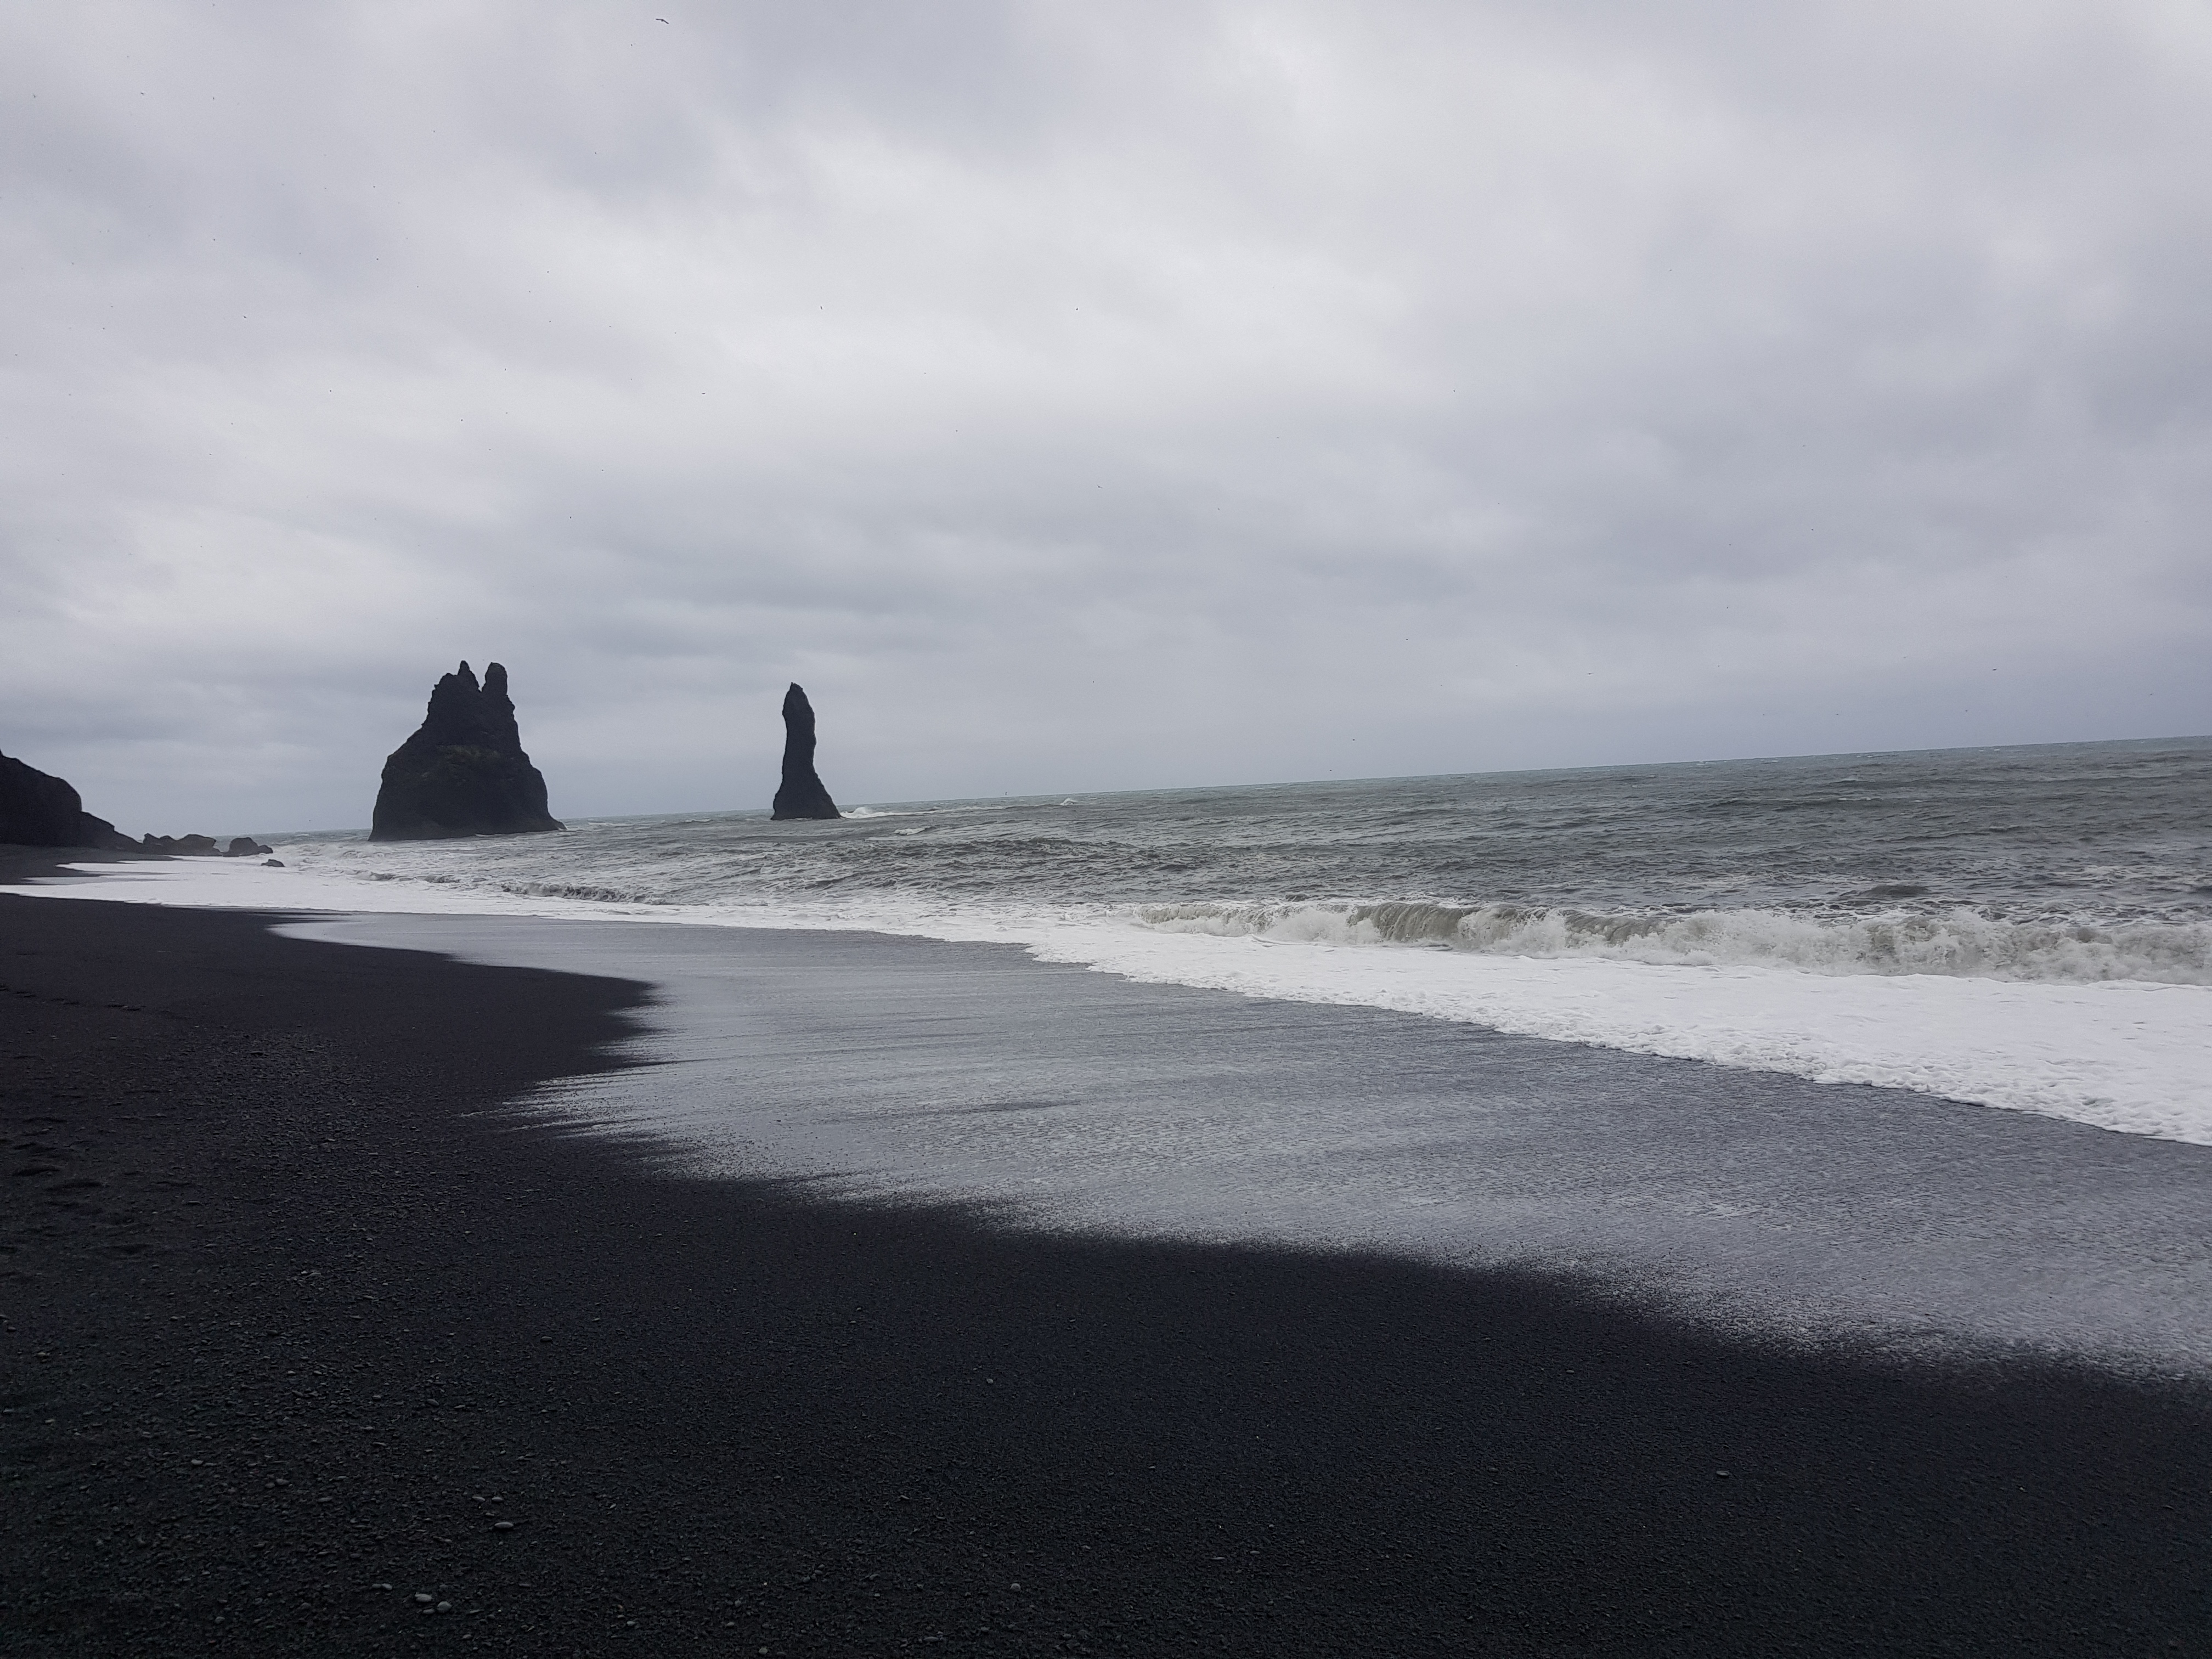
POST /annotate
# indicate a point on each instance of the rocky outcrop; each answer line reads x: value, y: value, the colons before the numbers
x: 39, y: 810
x: 198, y: 846
x: 464, y: 772
x: 801, y: 795
x: 195, y: 846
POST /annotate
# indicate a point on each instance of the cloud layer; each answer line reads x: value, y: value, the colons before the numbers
x: 1079, y: 399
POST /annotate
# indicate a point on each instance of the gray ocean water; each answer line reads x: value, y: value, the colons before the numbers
x: 2071, y: 863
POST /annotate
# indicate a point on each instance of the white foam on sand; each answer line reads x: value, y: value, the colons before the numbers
x: 2123, y: 1056
x: 2129, y: 1055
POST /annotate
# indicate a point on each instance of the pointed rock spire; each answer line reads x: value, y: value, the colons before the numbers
x: 801, y: 795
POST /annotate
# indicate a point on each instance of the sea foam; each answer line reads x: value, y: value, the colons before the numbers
x: 2122, y: 1054
x: 1956, y: 940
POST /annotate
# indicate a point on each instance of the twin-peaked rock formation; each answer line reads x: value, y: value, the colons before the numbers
x: 463, y: 773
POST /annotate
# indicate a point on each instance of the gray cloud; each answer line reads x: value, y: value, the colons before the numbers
x: 1080, y: 398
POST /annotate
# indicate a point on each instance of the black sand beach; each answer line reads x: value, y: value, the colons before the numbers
x: 300, y: 1323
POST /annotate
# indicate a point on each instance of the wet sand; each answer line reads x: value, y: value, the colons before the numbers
x: 297, y: 1308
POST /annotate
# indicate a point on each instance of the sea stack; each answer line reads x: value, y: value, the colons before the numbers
x: 39, y: 810
x: 463, y: 773
x: 801, y: 795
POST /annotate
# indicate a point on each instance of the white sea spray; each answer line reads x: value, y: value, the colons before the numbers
x: 1958, y: 941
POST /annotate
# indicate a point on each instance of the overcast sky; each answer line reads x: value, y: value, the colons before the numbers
x: 1089, y: 397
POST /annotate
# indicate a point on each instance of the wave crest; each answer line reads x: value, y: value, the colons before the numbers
x: 1960, y: 942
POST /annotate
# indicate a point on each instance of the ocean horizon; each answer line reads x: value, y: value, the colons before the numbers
x: 874, y: 804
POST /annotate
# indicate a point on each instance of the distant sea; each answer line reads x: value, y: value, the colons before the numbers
x: 2029, y: 927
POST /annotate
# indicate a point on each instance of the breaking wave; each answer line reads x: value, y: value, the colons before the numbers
x: 1960, y: 942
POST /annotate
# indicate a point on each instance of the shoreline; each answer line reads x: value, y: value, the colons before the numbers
x: 319, y: 1249
x: 2122, y: 1054
x: 1058, y: 1099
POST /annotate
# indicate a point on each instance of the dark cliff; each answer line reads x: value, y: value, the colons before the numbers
x: 464, y: 772
x: 801, y: 795
x: 39, y: 810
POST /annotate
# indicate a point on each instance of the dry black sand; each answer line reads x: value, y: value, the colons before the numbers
x: 296, y: 1311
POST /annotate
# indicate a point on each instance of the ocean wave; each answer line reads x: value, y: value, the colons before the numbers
x: 587, y: 891
x: 1958, y: 942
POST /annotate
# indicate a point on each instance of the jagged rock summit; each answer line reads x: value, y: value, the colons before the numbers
x: 801, y: 795
x: 463, y: 773
x: 39, y: 810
